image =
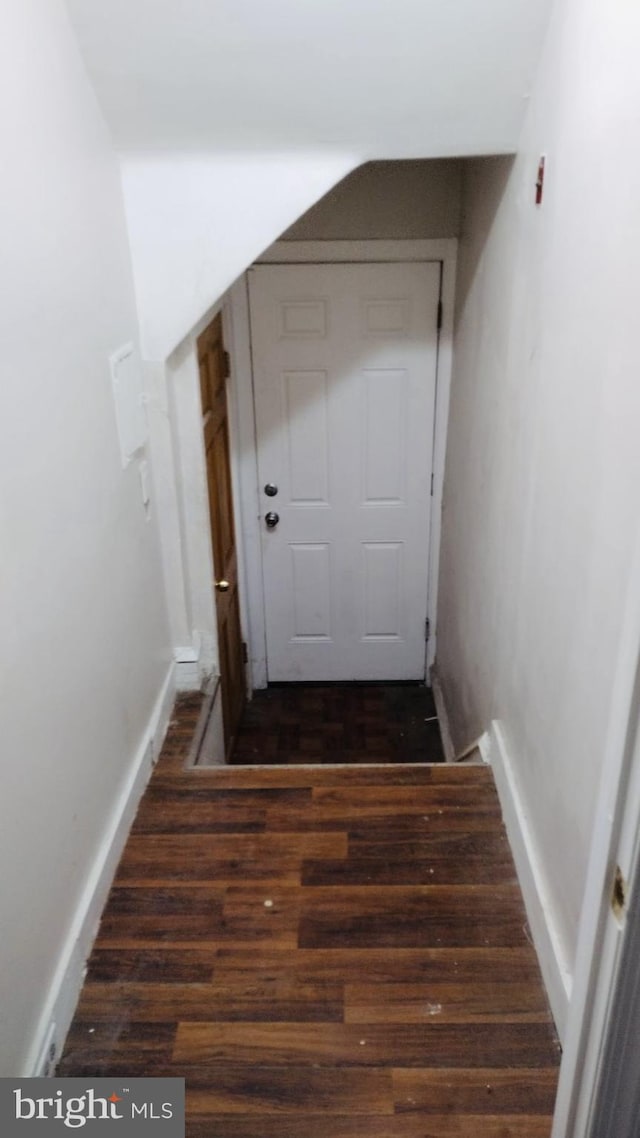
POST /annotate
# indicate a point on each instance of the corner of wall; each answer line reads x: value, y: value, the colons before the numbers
x: 69, y: 975
x: 452, y: 753
x: 443, y: 716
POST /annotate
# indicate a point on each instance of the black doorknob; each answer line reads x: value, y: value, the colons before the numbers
x: 271, y: 489
x: 271, y: 519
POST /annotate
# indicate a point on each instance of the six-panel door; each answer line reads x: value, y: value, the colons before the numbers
x: 345, y: 373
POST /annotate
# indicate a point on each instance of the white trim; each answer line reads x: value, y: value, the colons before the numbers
x: 247, y: 498
x: 440, y: 427
x: 443, y: 717
x: 616, y: 822
x: 547, y: 941
x: 60, y: 1005
x: 329, y: 252
x: 160, y: 717
x: 188, y: 654
x: 188, y: 676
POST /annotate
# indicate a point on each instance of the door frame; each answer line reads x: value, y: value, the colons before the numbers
x: 615, y: 842
x: 177, y: 445
x: 443, y: 250
x: 214, y: 372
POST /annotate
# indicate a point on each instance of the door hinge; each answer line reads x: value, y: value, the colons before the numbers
x: 226, y: 364
x: 432, y: 476
x: 439, y: 325
x: 427, y: 629
x: 245, y: 653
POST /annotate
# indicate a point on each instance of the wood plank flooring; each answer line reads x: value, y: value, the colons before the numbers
x: 321, y: 953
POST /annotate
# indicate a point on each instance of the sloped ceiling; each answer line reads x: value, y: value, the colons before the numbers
x: 232, y: 117
x: 385, y: 78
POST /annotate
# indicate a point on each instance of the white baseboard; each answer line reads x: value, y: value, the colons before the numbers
x: 161, y: 714
x: 67, y: 983
x: 443, y: 716
x: 531, y: 876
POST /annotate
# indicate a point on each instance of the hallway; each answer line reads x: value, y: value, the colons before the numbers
x: 328, y: 952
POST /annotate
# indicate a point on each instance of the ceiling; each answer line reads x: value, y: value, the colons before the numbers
x: 383, y: 78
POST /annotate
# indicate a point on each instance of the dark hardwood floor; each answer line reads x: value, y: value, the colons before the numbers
x: 339, y: 723
x: 322, y: 953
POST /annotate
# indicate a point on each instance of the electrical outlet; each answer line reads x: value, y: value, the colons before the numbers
x: 48, y: 1056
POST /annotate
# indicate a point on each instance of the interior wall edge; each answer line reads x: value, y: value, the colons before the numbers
x: 443, y: 715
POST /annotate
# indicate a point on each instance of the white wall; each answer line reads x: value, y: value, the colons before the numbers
x: 394, y: 200
x: 84, y: 639
x: 542, y: 487
x: 196, y: 222
x: 412, y: 79
x: 233, y: 121
x: 379, y: 200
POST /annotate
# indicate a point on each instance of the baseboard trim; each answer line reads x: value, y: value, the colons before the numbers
x: 443, y: 716
x: 546, y: 938
x: 67, y: 983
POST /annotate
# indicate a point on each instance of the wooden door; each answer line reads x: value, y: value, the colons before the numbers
x: 212, y: 361
x: 345, y: 376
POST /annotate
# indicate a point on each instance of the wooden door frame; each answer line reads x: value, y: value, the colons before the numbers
x: 176, y: 412
x: 330, y: 252
x: 214, y: 373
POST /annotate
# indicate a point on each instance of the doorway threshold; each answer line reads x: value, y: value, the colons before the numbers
x: 339, y: 724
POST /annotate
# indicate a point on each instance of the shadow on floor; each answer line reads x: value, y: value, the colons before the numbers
x: 339, y: 723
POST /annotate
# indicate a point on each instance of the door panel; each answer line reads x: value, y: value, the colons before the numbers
x: 344, y: 374
x: 213, y: 373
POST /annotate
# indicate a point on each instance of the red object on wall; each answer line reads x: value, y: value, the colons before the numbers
x: 540, y: 181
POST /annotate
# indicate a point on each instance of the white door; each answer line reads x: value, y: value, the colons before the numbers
x: 345, y: 375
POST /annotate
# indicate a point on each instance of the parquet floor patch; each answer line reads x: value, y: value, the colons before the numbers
x: 339, y: 723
